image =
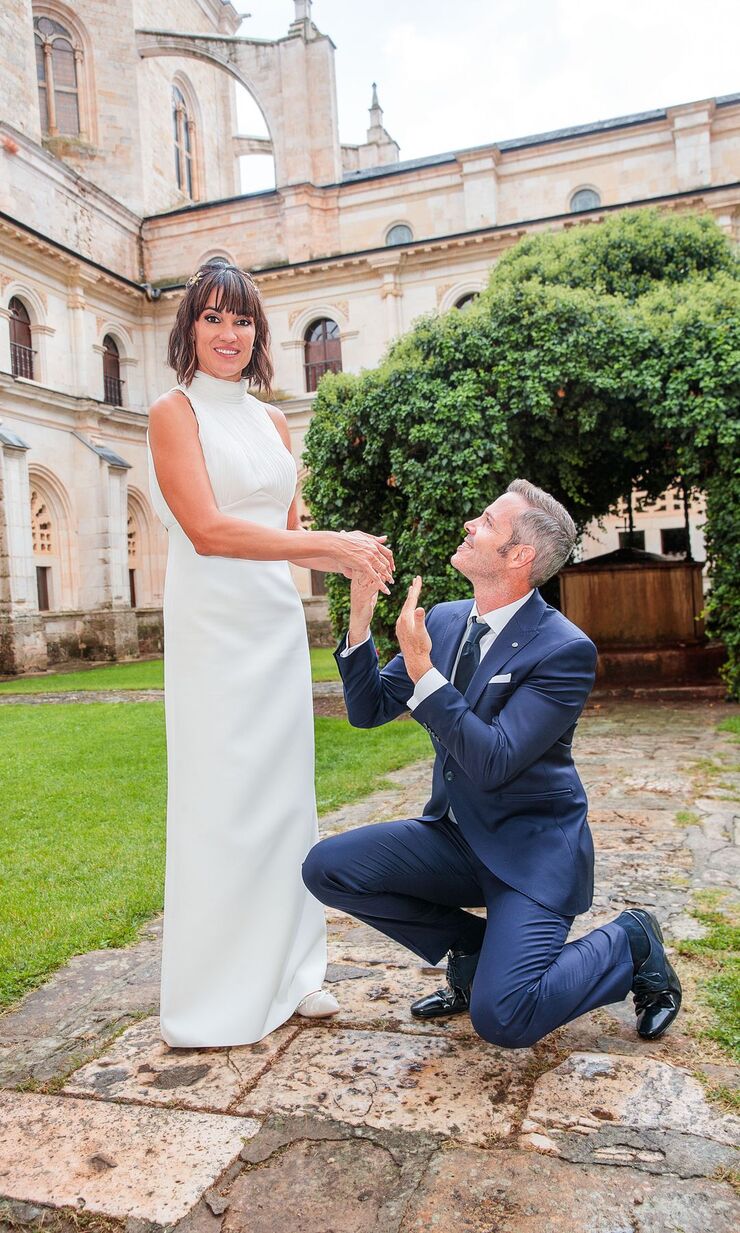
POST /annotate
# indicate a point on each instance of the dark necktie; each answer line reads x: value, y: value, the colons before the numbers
x: 470, y: 655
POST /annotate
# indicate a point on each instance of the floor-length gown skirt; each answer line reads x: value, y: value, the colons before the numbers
x: 243, y: 939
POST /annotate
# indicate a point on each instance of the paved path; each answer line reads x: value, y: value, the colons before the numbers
x: 321, y: 689
x: 375, y: 1122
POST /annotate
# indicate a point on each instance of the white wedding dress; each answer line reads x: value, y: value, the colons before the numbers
x: 244, y: 941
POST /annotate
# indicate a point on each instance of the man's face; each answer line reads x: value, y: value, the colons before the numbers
x: 478, y: 557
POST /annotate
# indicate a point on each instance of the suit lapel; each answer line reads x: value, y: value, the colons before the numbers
x: 515, y: 635
x: 444, y: 657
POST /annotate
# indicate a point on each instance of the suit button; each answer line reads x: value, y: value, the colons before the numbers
x: 449, y: 776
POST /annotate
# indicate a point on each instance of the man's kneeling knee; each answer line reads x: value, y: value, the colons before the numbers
x: 495, y: 1031
x: 316, y: 870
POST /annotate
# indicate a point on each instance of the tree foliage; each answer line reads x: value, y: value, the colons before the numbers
x: 599, y: 359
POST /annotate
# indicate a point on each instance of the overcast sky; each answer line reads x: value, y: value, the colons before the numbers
x: 463, y: 73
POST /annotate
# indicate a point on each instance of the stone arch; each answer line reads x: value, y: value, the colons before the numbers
x: 212, y: 253
x: 140, y: 547
x: 31, y: 299
x: 209, y: 49
x: 315, y: 312
x: 260, y: 67
x: 36, y: 309
x: 471, y: 286
x: 119, y: 333
x: 54, y: 545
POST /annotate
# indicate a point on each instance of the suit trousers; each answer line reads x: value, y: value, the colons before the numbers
x: 412, y: 880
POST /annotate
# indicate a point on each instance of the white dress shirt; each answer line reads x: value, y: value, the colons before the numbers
x: 497, y: 619
x: 433, y: 680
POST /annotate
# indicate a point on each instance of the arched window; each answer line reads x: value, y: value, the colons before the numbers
x: 21, y: 349
x: 57, y: 69
x: 183, y: 131
x: 322, y: 351
x: 400, y: 234
x: 466, y: 300
x: 585, y: 199
x: 112, y: 383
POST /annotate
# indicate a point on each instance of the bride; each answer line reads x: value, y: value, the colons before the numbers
x: 244, y: 943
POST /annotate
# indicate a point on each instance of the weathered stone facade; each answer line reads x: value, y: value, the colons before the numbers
x: 97, y: 237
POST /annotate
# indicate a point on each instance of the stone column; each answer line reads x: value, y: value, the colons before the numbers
x: 388, y: 265
x: 109, y: 624
x: 79, y: 365
x: 22, y: 632
x: 5, y: 360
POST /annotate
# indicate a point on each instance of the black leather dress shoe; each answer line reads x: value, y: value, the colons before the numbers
x: 656, y: 988
x: 455, y: 999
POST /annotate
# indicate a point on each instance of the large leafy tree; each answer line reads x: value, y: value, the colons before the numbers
x: 572, y: 369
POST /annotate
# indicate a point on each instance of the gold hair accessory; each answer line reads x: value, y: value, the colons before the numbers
x: 194, y: 278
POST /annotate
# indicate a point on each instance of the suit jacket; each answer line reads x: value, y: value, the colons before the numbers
x: 503, y: 749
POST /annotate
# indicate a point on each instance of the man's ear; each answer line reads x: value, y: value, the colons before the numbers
x: 523, y: 555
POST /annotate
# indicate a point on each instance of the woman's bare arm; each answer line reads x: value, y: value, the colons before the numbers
x: 183, y: 478
x: 324, y: 563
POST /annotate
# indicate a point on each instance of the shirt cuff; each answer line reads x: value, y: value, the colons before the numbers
x: 426, y: 685
x: 348, y: 650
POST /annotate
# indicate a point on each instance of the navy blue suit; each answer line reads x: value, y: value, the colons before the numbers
x: 520, y: 843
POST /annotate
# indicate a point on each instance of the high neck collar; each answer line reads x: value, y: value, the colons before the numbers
x: 214, y: 387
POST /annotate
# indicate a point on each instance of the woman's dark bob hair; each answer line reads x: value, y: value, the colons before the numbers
x: 227, y: 289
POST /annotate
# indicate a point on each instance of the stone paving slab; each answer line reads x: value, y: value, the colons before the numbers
x: 124, y: 1161
x: 141, y: 1067
x: 380, y: 999
x: 351, y: 942
x: 469, y: 1191
x: 589, y: 1090
x: 315, y: 1176
x: 72, y: 1017
x: 398, y: 1082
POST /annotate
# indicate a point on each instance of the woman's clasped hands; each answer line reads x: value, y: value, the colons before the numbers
x: 366, y: 556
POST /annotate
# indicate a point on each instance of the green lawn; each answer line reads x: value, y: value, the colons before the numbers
x: 83, y: 805
x: 718, y: 954
x: 142, y: 674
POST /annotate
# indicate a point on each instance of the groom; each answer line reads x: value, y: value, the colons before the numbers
x: 499, y: 685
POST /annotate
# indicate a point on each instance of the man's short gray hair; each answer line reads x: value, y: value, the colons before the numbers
x: 547, y: 526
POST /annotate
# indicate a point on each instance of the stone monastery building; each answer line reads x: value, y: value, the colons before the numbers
x: 119, y: 174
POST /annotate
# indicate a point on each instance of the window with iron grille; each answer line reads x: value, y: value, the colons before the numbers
x: 58, y: 62
x: 322, y: 351
x: 112, y: 383
x: 21, y: 350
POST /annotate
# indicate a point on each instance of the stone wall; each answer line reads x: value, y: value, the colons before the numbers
x: 18, y: 67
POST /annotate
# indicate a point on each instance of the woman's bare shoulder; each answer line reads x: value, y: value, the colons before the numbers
x: 170, y: 408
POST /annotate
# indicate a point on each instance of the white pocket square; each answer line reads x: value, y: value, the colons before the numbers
x: 500, y: 680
